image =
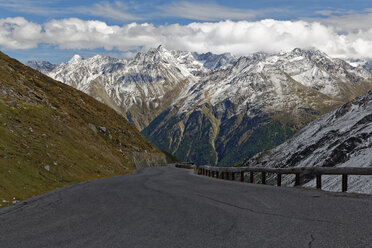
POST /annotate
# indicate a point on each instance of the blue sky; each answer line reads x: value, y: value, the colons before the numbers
x: 155, y: 11
x: 55, y: 30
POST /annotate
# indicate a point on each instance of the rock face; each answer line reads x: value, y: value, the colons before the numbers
x: 214, y: 61
x: 218, y: 109
x: 42, y: 66
x: 53, y: 135
x: 368, y: 65
x: 341, y: 138
x: 140, y: 89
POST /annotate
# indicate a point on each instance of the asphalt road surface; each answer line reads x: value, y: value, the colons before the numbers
x: 171, y: 207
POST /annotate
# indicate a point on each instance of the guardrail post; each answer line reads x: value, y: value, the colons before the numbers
x: 217, y: 174
x: 344, y: 182
x: 233, y: 176
x: 319, y: 181
x: 242, y: 176
x: 263, y: 174
x: 279, y: 179
x: 298, y: 179
x: 251, y: 177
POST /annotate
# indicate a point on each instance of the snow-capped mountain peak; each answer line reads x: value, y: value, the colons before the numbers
x: 75, y: 59
x: 224, y: 98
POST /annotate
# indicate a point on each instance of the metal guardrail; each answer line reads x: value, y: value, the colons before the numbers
x: 229, y: 173
x: 185, y: 165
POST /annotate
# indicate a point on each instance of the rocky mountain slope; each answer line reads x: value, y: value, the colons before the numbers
x: 53, y: 135
x: 140, y: 89
x: 42, y: 66
x: 218, y: 109
x: 365, y: 63
x: 341, y: 138
x: 368, y: 65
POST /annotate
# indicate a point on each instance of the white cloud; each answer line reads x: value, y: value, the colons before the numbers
x: 18, y: 33
x: 339, y: 12
x: 206, y: 11
x: 113, y: 11
x: 131, y: 11
x: 116, y: 11
x: 36, y: 7
x: 348, y: 22
x: 240, y: 38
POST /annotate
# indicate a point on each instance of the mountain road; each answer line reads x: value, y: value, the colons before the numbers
x: 172, y: 207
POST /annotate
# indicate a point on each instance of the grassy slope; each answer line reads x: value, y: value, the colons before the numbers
x: 50, y: 135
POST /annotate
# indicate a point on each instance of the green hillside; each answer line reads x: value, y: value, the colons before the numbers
x: 53, y: 135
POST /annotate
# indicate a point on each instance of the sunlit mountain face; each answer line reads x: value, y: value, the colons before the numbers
x: 218, y: 109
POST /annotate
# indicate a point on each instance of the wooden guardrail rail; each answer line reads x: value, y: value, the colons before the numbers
x: 229, y: 173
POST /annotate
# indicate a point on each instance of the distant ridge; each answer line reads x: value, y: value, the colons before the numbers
x: 42, y: 66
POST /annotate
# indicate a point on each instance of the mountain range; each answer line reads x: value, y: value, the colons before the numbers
x: 342, y: 138
x: 217, y: 109
x: 52, y: 135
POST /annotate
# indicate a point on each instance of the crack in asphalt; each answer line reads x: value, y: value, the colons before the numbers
x: 270, y: 214
x: 310, y: 244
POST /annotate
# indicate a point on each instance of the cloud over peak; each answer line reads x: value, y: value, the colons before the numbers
x: 237, y: 37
